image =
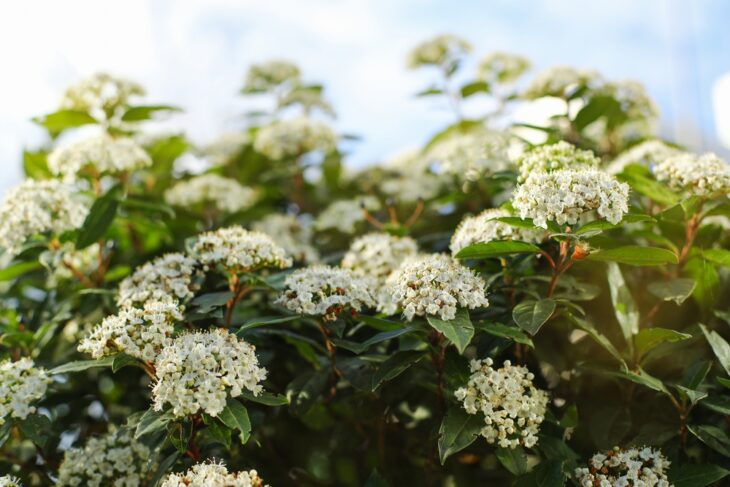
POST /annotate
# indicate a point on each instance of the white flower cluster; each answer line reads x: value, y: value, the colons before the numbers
x: 554, y: 157
x: 649, y: 153
x: 9, y: 481
x: 471, y: 155
x: 141, y: 333
x: 441, y: 51
x: 703, y: 175
x: 224, y: 148
x: 483, y: 228
x: 291, y: 233
x: 239, y: 250
x: 502, y: 67
x: 21, y: 384
x: 559, y: 81
x: 294, y: 137
x: 115, y: 459
x: 270, y: 74
x: 199, y: 371
x: 376, y: 255
x: 224, y: 194
x: 633, y: 99
x: 568, y: 196
x: 38, y: 207
x: 170, y: 275
x: 436, y: 284
x: 62, y: 260
x: 344, y: 215
x: 645, y: 467
x: 213, y: 475
x: 100, y: 93
x: 326, y: 291
x: 103, y: 153
x: 512, y: 406
x: 408, y: 188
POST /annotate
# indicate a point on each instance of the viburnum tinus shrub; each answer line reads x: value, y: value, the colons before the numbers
x: 479, y: 311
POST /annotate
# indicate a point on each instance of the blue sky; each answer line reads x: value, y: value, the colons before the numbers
x: 194, y: 54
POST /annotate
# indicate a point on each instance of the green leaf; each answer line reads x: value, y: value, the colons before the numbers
x: 458, y: 430
x: 17, y: 270
x: 530, y: 315
x: 515, y: 221
x: 35, y: 166
x: 719, y: 346
x: 61, y: 120
x: 473, y: 88
x: 235, y: 416
x: 696, y: 373
x: 459, y: 331
x: 395, y: 365
x: 145, y: 112
x: 513, y: 459
x: 217, y: 431
x: 122, y: 360
x: 266, y: 398
x: 719, y: 404
x: 635, y: 255
x: 546, y: 474
x: 359, y: 348
x: 599, y: 106
x: 375, y: 480
x: 497, y: 248
x: 37, y: 428
x: 304, y: 391
x: 152, y: 421
x: 677, y: 290
x: 598, y: 338
x: 265, y: 320
x: 693, y: 475
x: 164, y: 467
x: 648, y: 186
x: 624, y: 306
x: 713, y: 437
x: 211, y: 301
x: 648, y: 338
x: 5, y: 429
x: 80, y: 365
x: 179, y: 435
x: 509, y: 332
x: 717, y: 256
x: 100, y: 217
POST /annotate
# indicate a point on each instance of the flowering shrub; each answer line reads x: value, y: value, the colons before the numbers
x: 477, y: 311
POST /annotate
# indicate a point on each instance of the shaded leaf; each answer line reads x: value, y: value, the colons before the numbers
x: 531, y: 315
x: 635, y: 255
x: 458, y: 430
x: 395, y: 365
x: 459, y: 331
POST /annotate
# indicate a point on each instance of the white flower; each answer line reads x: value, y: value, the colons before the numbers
x: 649, y: 153
x: 224, y: 148
x: 568, y: 196
x: 141, y: 333
x: 100, y: 94
x: 549, y: 158
x: 101, y: 154
x: 294, y: 137
x: 344, y: 215
x: 115, y: 459
x: 559, y: 81
x: 706, y: 175
x: 38, y: 207
x: 376, y: 255
x: 21, y: 384
x: 442, y: 50
x: 502, y: 67
x: 325, y: 291
x: 199, y: 371
x: 472, y: 155
x: 483, y: 228
x: 271, y: 74
x: 9, y: 481
x: 436, y: 285
x: 213, y: 475
x: 643, y: 466
x: 240, y: 250
x: 208, y: 190
x: 512, y: 406
x: 62, y: 260
x: 291, y: 233
x: 408, y: 188
x: 170, y: 275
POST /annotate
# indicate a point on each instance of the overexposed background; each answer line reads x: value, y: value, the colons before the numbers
x: 194, y: 54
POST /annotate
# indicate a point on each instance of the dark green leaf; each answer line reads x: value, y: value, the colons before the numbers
x: 713, y: 437
x: 694, y: 475
x: 79, y: 365
x: 378, y: 338
x: 37, y: 428
x: 265, y: 320
x: 635, y: 255
x: 648, y: 338
x: 459, y: 331
x: 509, y: 332
x: 152, y: 421
x: 497, y: 248
x: 677, y: 290
x: 18, y: 269
x: 458, y: 430
x: 513, y: 459
x: 235, y: 416
x: 122, y: 360
x: 624, y: 306
x: 719, y: 346
x: 266, y: 398
x: 100, y: 217
x: 531, y: 315
x: 395, y: 365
